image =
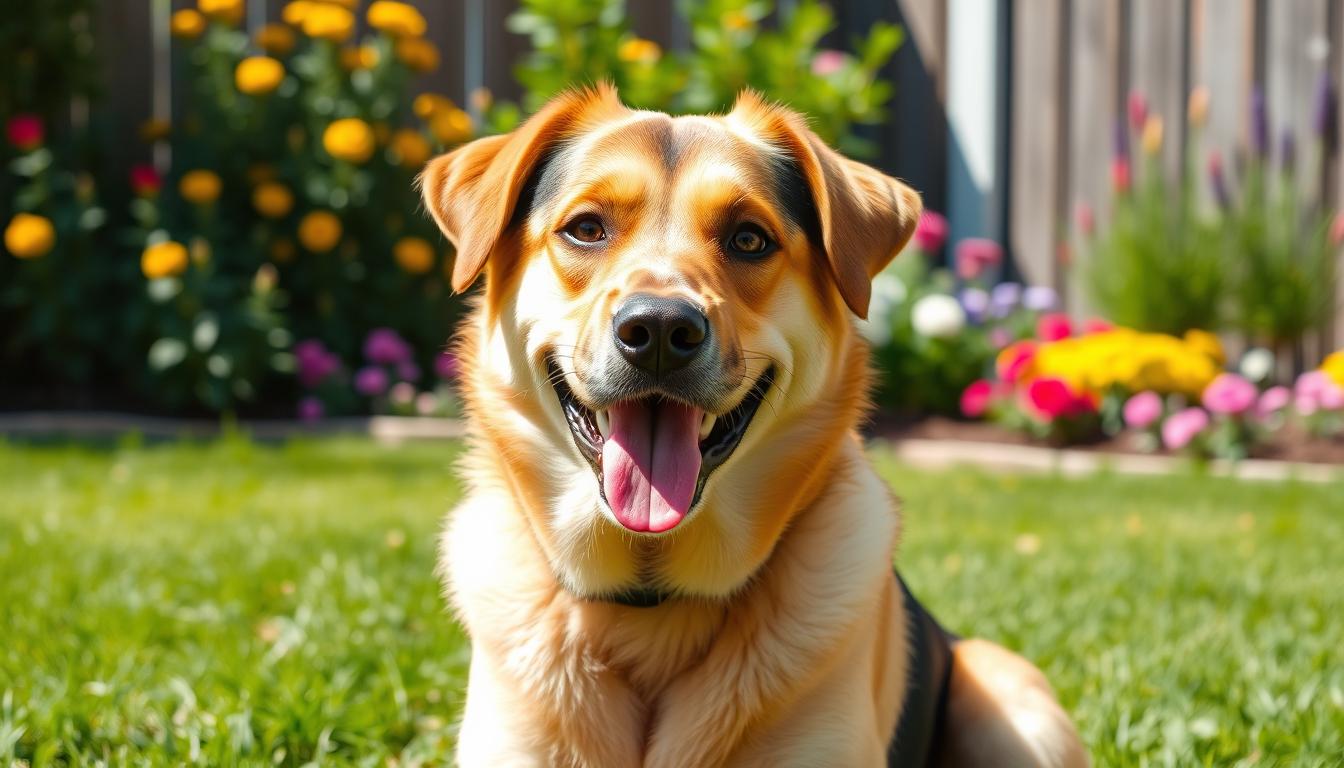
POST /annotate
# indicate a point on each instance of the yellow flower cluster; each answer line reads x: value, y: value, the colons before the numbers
x: 164, y: 259
x: 349, y: 139
x: 272, y: 200
x: 29, y: 236
x: 324, y: 21
x: 226, y: 11
x: 1132, y: 361
x: 1333, y: 366
x: 187, y: 24
x: 276, y: 39
x: 639, y: 50
x: 200, y: 187
x: 411, y: 149
x: 320, y: 231
x: 414, y: 255
x: 258, y: 75
x: 396, y: 19
x: 418, y: 54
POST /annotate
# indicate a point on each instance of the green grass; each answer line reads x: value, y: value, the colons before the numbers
x: 233, y: 603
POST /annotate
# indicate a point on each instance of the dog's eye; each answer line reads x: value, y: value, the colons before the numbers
x: 586, y: 230
x: 749, y: 241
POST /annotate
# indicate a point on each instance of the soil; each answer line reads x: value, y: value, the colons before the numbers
x: 1288, y: 444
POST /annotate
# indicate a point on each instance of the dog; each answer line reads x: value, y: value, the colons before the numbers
x: 672, y: 550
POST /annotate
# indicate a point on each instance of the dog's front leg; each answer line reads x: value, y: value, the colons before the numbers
x: 824, y: 580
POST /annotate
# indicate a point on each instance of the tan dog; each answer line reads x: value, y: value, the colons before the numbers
x: 673, y: 551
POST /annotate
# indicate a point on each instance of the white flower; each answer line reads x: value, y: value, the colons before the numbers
x: 888, y: 293
x: 938, y: 316
x: 1257, y: 364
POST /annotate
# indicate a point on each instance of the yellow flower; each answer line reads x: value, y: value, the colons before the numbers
x: 426, y: 105
x: 1333, y: 366
x: 275, y: 39
x: 29, y: 236
x: 320, y: 231
x: 164, y: 260
x: 414, y: 254
x: 350, y: 139
x: 155, y: 129
x: 328, y: 22
x: 1207, y: 344
x: 362, y: 57
x: 451, y: 126
x: 200, y: 187
x: 411, y: 149
x: 272, y: 200
x: 639, y: 50
x: 1152, y: 135
x: 187, y: 24
x: 226, y: 11
x: 258, y: 75
x: 1198, y: 109
x: 418, y: 54
x: 394, y: 18
x: 294, y: 13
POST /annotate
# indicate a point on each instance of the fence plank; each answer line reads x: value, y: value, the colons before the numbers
x: 126, y: 51
x: 1037, y: 166
x: 914, y: 145
x: 1222, y: 60
x: 1158, y: 69
x: 1095, y: 96
x: 1296, y: 49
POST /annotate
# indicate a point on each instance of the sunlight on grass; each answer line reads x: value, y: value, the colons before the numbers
x: 232, y: 601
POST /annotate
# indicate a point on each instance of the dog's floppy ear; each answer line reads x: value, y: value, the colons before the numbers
x: 471, y: 192
x: 866, y: 217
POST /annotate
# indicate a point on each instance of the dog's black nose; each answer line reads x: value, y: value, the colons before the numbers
x: 657, y: 334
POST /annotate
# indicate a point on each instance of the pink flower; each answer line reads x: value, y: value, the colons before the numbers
x: 311, y: 409
x: 1273, y: 400
x: 1120, y: 176
x: 1183, y: 426
x: 384, y: 346
x: 1337, y: 229
x: 446, y: 366
x: 1138, y: 109
x: 145, y: 181
x: 1054, y: 326
x: 975, y: 255
x: 976, y: 398
x: 1143, y: 410
x: 930, y: 232
x: 25, y: 132
x: 1014, y: 359
x: 1049, y: 398
x: 315, y: 363
x: 827, y: 62
x: 1086, y: 218
x: 1000, y: 337
x: 1315, y: 391
x: 1229, y: 394
x: 402, y: 393
x: 371, y: 381
x: 1096, y: 325
x: 426, y: 403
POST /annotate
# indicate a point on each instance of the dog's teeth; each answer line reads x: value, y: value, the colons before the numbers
x: 604, y: 423
x: 707, y: 425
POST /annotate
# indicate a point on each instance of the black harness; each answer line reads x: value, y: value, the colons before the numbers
x: 923, y: 716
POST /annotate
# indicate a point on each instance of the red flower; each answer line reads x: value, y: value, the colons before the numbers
x: 1014, y: 359
x: 1120, y: 178
x: 1096, y: 325
x: 975, y: 255
x: 145, y: 181
x: 976, y: 398
x: 1049, y: 398
x: 1138, y: 109
x: 25, y: 132
x: 930, y: 232
x: 1054, y: 326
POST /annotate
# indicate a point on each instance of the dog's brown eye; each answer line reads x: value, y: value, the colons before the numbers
x: 750, y: 241
x: 586, y: 230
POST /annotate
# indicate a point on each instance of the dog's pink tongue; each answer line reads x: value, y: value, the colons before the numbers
x: 650, y: 463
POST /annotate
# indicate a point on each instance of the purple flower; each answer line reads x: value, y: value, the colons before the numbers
x: 407, y: 370
x: 446, y: 366
x: 311, y: 409
x: 315, y: 362
x: 1219, y: 180
x: 1259, y: 123
x: 976, y: 302
x: 1004, y: 298
x: 1323, y: 109
x: 371, y: 381
x: 1040, y: 298
x: 384, y: 346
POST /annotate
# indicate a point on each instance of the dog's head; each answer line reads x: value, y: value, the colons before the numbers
x: 665, y: 354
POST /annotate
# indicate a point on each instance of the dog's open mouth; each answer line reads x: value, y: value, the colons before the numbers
x: 653, y: 454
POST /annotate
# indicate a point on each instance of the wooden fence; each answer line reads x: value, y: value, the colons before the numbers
x: 1006, y: 109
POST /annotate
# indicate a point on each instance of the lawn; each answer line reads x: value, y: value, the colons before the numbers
x: 236, y: 603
